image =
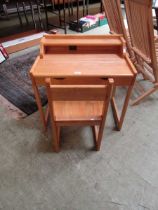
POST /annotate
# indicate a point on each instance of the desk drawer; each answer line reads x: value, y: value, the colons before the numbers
x: 118, y: 81
x: 72, y: 80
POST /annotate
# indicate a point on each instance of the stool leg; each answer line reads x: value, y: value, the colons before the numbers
x: 87, y: 7
x: 32, y: 14
x: 24, y: 10
x: 64, y: 17
x: 18, y: 11
x: 84, y: 8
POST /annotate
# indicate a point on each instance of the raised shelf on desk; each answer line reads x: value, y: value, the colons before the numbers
x: 79, y: 44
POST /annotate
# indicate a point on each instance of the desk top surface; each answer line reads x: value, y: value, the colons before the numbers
x: 94, y: 55
x: 58, y: 65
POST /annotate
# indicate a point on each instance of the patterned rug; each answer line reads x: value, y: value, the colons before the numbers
x: 15, y: 83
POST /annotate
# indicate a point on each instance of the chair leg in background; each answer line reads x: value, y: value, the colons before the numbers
x: 144, y: 95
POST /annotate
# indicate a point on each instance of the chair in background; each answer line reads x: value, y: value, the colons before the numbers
x: 54, y: 8
x: 23, y: 10
x: 140, y: 23
x: 115, y: 21
x: 77, y: 4
x: 64, y: 9
x: 3, y: 11
x: 78, y: 103
x: 155, y: 14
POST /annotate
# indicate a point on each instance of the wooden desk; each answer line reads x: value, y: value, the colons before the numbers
x: 84, y: 57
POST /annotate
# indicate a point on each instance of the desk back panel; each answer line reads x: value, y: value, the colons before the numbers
x: 74, y: 49
x: 79, y: 44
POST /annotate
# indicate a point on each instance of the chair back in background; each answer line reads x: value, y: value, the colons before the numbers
x: 115, y: 19
x: 114, y: 16
x: 140, y: 23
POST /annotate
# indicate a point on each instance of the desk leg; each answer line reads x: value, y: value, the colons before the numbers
x: 38, y: 101
x: 119, y: 119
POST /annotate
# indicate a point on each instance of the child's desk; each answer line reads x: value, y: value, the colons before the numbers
x: 84, y: 57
